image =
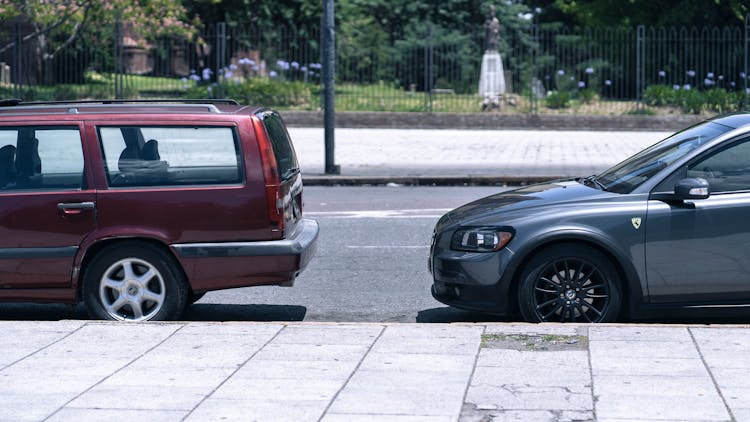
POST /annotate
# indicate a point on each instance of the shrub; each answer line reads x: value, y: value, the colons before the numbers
x: 660, y: 95
x: 587, y: 95
x: 558, y: 99
x: 260, y: 91
x: 719, y: 100
x: 691, y: 101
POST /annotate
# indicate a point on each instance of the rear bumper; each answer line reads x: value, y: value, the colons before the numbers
x: 212, y: 266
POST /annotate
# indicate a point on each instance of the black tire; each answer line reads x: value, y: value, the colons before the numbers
x: 194, y: 297
x: 156, y: 289
x: 570, y: 283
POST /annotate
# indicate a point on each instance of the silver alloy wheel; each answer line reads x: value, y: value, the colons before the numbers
x: 132, y: 290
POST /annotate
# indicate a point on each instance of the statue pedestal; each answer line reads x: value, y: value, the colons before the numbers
x: 492, y: 78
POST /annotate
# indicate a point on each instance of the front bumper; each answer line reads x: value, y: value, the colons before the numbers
x: 473, y: 281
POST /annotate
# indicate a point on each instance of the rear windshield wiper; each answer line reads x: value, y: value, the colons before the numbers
x: 290, y: 172
x: 593, y: 180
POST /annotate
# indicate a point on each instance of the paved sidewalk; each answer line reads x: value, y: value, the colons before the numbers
x: 91, y: 371
x: 464, y: 155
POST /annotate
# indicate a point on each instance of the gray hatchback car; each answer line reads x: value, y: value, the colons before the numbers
x: 666, y: 228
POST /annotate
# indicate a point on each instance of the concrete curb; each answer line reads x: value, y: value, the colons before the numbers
x: 325, y: 180
x: 492, y: 121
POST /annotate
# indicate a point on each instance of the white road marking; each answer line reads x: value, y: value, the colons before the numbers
x: 418, y: 213
x: 388, y: 246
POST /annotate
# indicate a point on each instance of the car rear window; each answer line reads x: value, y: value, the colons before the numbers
x: 169, y: 155
x: 282, y: 145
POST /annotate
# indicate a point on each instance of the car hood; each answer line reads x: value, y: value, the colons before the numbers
x: 522, y: 200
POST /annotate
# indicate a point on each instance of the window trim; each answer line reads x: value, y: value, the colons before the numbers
x: 84, y: 176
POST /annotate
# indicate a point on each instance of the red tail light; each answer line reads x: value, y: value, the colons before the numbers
x: 273, y: 182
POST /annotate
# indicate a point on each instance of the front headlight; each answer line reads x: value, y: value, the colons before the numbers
x: 481, y: 239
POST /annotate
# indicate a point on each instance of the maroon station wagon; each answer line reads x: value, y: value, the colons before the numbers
x: 139, y: 208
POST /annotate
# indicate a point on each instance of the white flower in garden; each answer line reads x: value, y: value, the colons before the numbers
x: 708, y: 82
x: 676, y: 87
x: 608, y: 82
x: 589, y: 70
x: 742, y: 75
x: 732, y: 84
x: 207, y: 74
x: 294, y: 65
x: 662, y: 73
x: 273, y: 74
x: 691, y: 73
x: 195, y: 77
x: 686, y: 87
x: 184, y: 79
x: 228, y: 74
x: 581, y: 84
x: 561, y: 72
x: 721, y: 77
x: 233, y: 66
x: 710, y: 75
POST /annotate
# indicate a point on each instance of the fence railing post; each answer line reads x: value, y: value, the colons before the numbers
x: 428, y: 59
x: 221, y: 57
x: 533, y: 100
x: 18, y: 62
x: 747, y: 60
x: 118, y: 58
x: 640, y: 64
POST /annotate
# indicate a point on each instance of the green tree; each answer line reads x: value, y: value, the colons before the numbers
x: 643, y: 12
x: 57, y: 26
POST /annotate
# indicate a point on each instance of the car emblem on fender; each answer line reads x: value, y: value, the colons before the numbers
x: 636, y: 222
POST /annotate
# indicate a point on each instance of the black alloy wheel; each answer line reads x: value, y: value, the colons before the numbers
x: 570, y: 283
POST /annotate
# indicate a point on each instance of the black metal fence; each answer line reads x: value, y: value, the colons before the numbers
x: 547, y: 69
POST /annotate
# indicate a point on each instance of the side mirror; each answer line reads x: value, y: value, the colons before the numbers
x: 685, y: 189
x: 692, y: 188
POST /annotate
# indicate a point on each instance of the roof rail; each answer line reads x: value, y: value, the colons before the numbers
x: 18, y: 102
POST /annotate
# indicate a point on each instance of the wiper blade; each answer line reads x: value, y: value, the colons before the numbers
x: 592, y: 179
x: 290, y: 172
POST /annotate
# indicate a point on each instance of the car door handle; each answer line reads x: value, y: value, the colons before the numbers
x: 72, y: 208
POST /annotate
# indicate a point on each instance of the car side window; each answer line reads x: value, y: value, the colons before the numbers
x: 727, y: 170
x: 170, y: 156
x: 40, y: 157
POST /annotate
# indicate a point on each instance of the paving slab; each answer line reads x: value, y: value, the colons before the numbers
x: 657, y: 407
x: 117, y: 415
x: 285, y: 410
x: 525, y: 415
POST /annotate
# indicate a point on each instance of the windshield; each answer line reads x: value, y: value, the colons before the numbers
x: 631, y: 173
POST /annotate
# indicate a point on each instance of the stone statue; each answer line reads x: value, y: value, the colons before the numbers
x: 492, y: 31
x: 492, y: 76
